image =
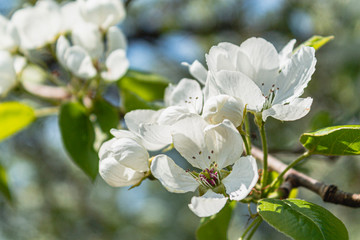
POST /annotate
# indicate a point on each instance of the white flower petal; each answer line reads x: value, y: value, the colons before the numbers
x: 187, y: 93
x: 238, y: 85
x: 224, y: 143
x: 295, y: 76
x: 189, y: 141
x: 79, y: 62
x: 103, y: 13
x: 286, y: 53
x: 208, y: 204
x: 154, y: 136
x: 295, y: 110
x: 264, y: 60
x: 242, y: 178
x: 115, y: 40
x: 221, y: 107
x: 211, y: 88
x: 88, y: 36
x: 117, y: 65
x: 220, y: 59
x: 124, y: 133
x: 127, y: 152
x: 7, y: 72
x: 117, y: 175
x: 135, y: 118
x: 62, y: 45
x: 171, y: 115
x: 70, y: 15
x: 198, y: 71
x: 38, y: 25
x: 171, y: 176
x: 9, y: 36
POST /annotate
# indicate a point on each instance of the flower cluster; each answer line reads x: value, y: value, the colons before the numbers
x: 203, y: 119
x: 78, y: 28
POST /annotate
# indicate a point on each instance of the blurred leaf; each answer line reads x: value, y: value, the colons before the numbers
x: 216, y: 226
x: 14, y: 116
x: 78, y: 137
x: 321, y: 119
x: 147, y: 86
x: 4, y: 188
x: 131, y: 101
x: 293, y: 193
x: 336, y: 140
x: 106, y: 115
x: 302, y: 220
x: 315, y: 42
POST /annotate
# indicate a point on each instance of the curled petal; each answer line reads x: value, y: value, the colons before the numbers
x: 171, y: 176
x: 295, y: 76
x: 295, y: 110
x: 117, y: 64
x: 242, y: 178
x: 208, y: 204
x: 286, y: 53
x: 221, y: 107
x: 118, y: 175
x: 115, y: 40
x: 79, y: 62
x: 198, y: 71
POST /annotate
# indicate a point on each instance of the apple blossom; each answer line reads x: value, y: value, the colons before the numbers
x: 123, y: 159
x: 209, y: 148
x: 7, y: 72
x: 38, y: 25
x: 9, y: 37
x: 104, y: 14
x: 253, y: 74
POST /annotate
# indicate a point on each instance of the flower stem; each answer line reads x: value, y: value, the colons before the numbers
x: 291, y: 165
x: 254, y: 223
x: 265, y: 158
x: 254, y: 228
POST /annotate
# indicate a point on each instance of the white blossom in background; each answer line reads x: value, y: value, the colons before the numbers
x: 9, y: 39
x: 116, y: 62
x: 209, y: 148
x: 38, y: 25
x: 7, y: 72
x: 71, y: 16
x: 75, y: 59
x: 260, y: 77
x: 123, y: 159
x: 88, y: 36
x: 104, y: 13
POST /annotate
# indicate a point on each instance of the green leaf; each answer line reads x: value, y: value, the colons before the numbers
x: 302, y: 220
x: 78, y: 137
x: 147, y: 86
x: 14, y: 116
x: 131, y: 101
x: 216, y: 226
x: 315, y: 42
x: 336, y: 140
x: 106, y: 115
x: 4, y: 188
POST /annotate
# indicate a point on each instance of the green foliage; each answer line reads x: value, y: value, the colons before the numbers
x: 4, y: 188
x: 336, y: 140
x: 139, y: 89
x: 106, y: 115
x: 302, y: 220
x: 216, y: 226
x: 14, y: 116
x: 78, y: 137
x: 315, y: 42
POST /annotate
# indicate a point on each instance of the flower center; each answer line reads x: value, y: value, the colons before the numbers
x: 209, y: 177
x: 269, y: 98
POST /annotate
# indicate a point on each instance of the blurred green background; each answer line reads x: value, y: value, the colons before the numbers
x: 53, y: 199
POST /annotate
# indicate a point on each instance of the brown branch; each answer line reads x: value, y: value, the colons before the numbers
x: 294, y: 179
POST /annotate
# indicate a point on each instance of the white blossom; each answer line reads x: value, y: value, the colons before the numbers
x: 9, y: 37
x: 104, y: 13
x: 260, y: 77
x: 209, y: 148
x: 38, y: 25
x: 123, y: 159
x: 7, y: 72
